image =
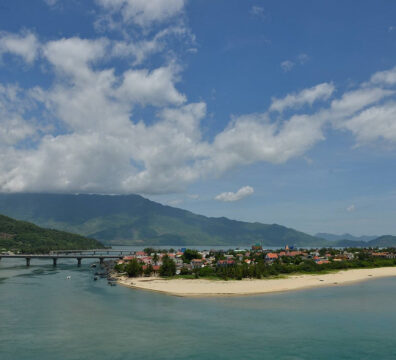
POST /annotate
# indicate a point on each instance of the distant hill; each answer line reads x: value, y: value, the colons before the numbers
x: 134, y: 220
x: 27, y: 237
x: 334, y: 237
x: 382, y: 241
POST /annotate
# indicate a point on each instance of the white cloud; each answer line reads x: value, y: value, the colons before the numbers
x: 235, y: 196
x: 93, y: 141
x: 24, y: 45
x: 142, y: 12
x: 303, y: 58
x: 287, y: 65
x: 257, y: 11
x: 387, y: 77
x: 151, y: 88
x: 51, y: 2
x: 374, y: 123
x: 351, y: 208
x: 307, y: 96
x: 13, y: 110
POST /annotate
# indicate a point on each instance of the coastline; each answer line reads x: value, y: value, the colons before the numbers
x: 210, y: 288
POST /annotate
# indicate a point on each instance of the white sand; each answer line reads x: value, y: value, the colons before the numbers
x: 199, y: 287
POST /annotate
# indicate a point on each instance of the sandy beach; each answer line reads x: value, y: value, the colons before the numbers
x: 204, y: 288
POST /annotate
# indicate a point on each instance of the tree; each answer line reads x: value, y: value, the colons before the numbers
x: 148, y: 270
x: 190, y: 254
x: 168, y: 267
x: 155, y: 258
x: 149, y: 250
x: 134, y: 268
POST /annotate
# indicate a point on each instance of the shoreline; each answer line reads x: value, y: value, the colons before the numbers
x: 245, y: 287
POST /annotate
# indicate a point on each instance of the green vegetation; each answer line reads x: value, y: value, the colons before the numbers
x: 263, y: 270
x: 258, y: 264
x: 21, y: 236
x: 168, y: 267
x: 133, y: 268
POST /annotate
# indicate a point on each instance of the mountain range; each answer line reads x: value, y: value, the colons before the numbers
x: 135, y: 220
x: 346, y: 236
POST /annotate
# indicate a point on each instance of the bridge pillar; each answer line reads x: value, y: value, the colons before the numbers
x: 27, y: 261
x: 54, y: 260
x: 79, y: 261
x: 101, y: 260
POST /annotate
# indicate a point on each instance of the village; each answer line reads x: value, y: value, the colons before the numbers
x: 150, y: 262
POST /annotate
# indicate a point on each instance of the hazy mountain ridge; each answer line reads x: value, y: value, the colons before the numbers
x: 381, y: 241
x: 346, y: 236
x: 132, y: 219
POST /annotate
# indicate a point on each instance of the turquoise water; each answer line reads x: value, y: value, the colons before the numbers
x: 45, y: 316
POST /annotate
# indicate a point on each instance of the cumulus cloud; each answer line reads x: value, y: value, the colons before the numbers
x: 235, y: 196
x: 24, y: 45
x: 96, y: 144
x: 257, y: 11
x: 351, y: 208
x: 387, y: 77
x: 287, y: 65
x: 307, y: 96
x: 89, y: 137
x: 142, y: 12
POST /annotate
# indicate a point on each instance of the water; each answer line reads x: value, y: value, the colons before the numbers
x: 45, y: 316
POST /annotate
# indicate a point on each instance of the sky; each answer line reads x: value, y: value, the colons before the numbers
x: 277, y: 111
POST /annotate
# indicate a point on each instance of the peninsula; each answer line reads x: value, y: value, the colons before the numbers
x: 189, y: 272
x: 206, y: 288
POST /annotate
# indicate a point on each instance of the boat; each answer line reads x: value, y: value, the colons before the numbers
x: 95, y: 278
x: 68, y: 277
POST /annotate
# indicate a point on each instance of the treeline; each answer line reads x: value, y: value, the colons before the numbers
x: 264, y: 270
x: 259, y: 270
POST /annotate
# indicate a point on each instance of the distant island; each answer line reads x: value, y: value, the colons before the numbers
x: 135, y: 220
x: 25, y: 237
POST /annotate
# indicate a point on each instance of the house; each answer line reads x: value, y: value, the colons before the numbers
x: 147, y: 260
x: 224, y: 263
x: 271, y: 257
x: 197, y: 263
x: 323, y: 261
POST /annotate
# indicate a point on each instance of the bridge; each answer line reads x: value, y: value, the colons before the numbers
x: 94, y: 252
x: 56, y: 256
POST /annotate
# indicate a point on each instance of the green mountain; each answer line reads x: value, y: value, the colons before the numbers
x: 29, y: 238
x: 134, y: 220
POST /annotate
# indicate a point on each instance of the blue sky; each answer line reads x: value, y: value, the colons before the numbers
x: 271, y: 111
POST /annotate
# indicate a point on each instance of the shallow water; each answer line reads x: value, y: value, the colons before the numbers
x: 45, y: 316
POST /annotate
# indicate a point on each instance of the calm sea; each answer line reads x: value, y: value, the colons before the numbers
x: 45, y: 316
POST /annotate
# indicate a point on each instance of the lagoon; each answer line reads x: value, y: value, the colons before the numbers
x: 45, y: 316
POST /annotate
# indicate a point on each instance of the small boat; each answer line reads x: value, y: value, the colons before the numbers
x: 93, y: 266
x: 68, y: 277
x: 95, y: 278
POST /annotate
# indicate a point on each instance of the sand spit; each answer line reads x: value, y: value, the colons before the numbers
x: 205, y: 288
